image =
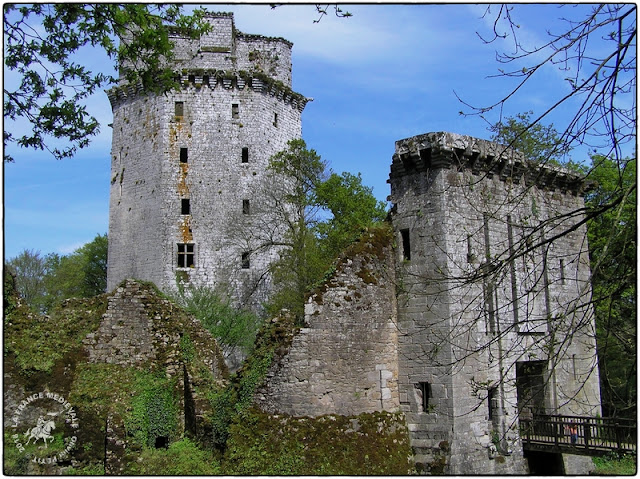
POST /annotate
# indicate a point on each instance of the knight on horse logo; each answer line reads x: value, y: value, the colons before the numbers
x: 47, y: 410
x: 42, y: 430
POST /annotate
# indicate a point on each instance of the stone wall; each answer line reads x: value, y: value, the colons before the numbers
x: 188, y: 168
x: 495, y: 269
x: 140, y: 327
x: 344, y: 360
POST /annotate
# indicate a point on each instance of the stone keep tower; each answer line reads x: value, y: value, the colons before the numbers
x: 493, y: 300
x: 186, y: 167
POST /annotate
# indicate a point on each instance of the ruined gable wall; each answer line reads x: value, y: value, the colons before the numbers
x: 140, y: 327
x: 344, y: 361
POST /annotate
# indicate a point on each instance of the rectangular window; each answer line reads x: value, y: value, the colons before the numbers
x: 235, y: 111
x: 179, y: 109
x: 424, y: 391
x: 185, y: 206
x: 275, y: 120
x: 246, y: 207
x: 246, y: 264
x: 245, y: 155
x: 186, y: 255
x: 406, y: 244
x: 184, y: 155
x: 561, y: 271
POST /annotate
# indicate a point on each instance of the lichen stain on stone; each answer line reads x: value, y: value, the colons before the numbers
x: 185, y: 229
x: 183, y: 188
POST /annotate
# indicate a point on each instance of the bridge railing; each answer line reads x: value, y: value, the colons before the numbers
x: 586, y: 434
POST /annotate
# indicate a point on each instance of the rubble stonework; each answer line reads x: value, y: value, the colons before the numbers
x: 344, y: 360
x: 142, y: 329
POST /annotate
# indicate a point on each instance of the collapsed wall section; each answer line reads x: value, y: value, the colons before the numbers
x: 344, y: 359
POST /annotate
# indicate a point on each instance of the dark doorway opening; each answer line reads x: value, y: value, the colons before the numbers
x: 162, y: 442
x: 530, y: 385
x: 544, y: 463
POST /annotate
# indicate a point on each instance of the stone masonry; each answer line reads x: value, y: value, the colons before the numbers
x: 186, y: 166
x: 470, y: 321
x: 344, y: 361
x: 469, y: 315
x: 494, y: 271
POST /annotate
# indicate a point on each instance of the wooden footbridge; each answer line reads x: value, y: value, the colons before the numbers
x: 590, y: 436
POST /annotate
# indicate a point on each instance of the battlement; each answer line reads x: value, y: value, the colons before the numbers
x: 446, y: 150
x: 225, y: 48
x: 212, y: 78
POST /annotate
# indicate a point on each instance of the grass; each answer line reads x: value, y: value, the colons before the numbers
x: 616, y: 465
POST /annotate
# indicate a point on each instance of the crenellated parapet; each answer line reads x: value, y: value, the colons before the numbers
x: 211, y: 78
x: 444, y: 150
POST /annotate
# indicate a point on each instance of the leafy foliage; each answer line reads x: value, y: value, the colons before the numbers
x: 181, y: 458
x: 37, y: 342
x: 154, y: 412
x: 323, y: 213
x: 232, y: 327
x: 29, y: 269
x: 538, y: 142
x: 612, y: 233
x: 272, y: 340
x: 614, y: 465
x: 41, y: 41
x: 44, y: 282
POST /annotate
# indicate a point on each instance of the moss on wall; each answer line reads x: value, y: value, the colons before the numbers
x: 368, y: 444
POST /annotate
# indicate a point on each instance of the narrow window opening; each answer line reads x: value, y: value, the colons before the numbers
x: 406, y: 244
x: 186, y: 256
x: 235, y: 111
x: 184, y: 155
x: 205, y: 80
x: 424, y: 391
x: 185, y: 206
x: 275, y: 120
x: 492, y: 402
x: 246, y: 207
x: 245, y: 155
x: 246, y: 264
x: 561, y: 271
x: 179, y: 108
x: 192, y: 79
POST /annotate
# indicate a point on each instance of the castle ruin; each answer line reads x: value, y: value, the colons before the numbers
x: 185, y: 166
x: 470, y: 315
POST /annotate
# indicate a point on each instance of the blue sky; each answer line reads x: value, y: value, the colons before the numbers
x: 386, y: 73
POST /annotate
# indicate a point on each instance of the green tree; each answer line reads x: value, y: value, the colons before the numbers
x: 612, y: 232
x: 300, y: 171
x: 323, y: 211
x: 41, y: 44
x: 81, y: 274
x: 352, y: 207
x: 30, y: 269
x: 234, y: 328
x: 536, y: 141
